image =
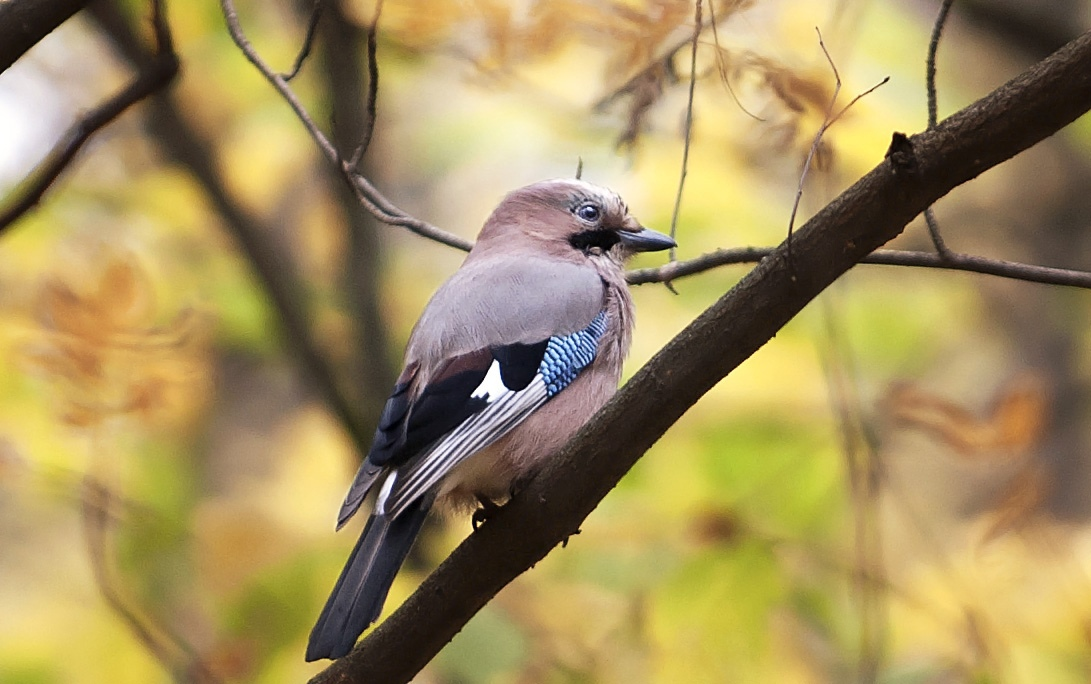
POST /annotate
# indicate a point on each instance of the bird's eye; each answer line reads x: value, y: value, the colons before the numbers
x: 588, y: 212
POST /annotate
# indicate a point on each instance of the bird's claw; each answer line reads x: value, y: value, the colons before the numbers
x: 487, y: 510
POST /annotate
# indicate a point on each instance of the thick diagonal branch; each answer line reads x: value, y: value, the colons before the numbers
x: 25, y: 22
x: 874, y: 210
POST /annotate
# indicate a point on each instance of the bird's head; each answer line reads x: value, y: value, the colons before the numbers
x: 571, y: 219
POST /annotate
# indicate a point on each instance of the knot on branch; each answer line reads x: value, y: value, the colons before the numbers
x: 903, y: 158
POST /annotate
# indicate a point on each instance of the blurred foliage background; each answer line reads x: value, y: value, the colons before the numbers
x: 893, y: 490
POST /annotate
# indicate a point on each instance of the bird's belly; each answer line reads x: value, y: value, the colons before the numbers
x: 487, y: 474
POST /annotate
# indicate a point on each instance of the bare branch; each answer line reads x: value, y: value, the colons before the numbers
x: 888, y: 257
x: 705, y: 262
x: 308, y: 41
x: 828, y: 120
x: 1027, y: 109
x: 853, y: 101
x: 374, y: 364
x: 371, y: 106
x: 930, y: 85
x: 184, y: 143
x: 859, y: 446
x: 977, y: 264
x: 172, y: 652
x: 721, y: 64
x: 687, y: 133
x: 930, y: 65
x: 153, y: 76
x: 379, y: 206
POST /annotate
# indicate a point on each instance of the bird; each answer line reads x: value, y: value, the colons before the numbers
x: 510, y: 357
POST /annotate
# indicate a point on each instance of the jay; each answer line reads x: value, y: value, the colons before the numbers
x: 512, y: 355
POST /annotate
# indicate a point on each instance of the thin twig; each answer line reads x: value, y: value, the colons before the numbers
x: 933, y: 115
x: 814, y: 146
x: 182, y: 141
x: 373, y: 369
x: 688, y: 129
x: 721, y: 64
x: 828, y: 120
x: 687, y: 135
x: 176, y: 656
x: 853, y: 101
x: 933, y: 48
x: 888, y: 257
x: 666, y: 55
x: 234, y: 28
x: 153, y: 76
x: 378, y: 205
x: 371, y: 106
x: 933, y: 232
x: 859, y: 445
x: 308, y: 41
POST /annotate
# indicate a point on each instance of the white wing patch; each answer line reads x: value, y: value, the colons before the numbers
x: 493, y: 384
x: 506, y: 409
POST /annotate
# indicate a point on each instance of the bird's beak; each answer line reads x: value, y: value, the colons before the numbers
x: 645, y: 240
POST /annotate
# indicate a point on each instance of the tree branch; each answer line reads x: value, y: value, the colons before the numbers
x: 154, y: 74
x: 888, y: 257
x: 171, y: 651
x: 181, y: 141
x: 378, y: 205
x: 308, y: 41
x: 933, y: 108
x: 344, y: 76
x: 25, y: 22
x: 916, y: 173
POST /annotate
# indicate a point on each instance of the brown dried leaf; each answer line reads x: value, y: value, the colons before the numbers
x: 1021, y: 414
x: 1015, y: 424
x: 124, y: 295
x: 1019, y: 503
x: 643, y: 92
x: 146, y: 395
x: 65, y: 361
x: 68, y: 313
x: 642, y: 37
x: 104, y: 356
x: 81, y: 415
x: 798, y: 90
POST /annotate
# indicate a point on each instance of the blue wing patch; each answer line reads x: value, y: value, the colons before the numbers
x: 566, y: 356
x: 505, y: 406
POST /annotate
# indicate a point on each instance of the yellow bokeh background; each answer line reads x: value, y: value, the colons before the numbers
x: 889, y: 491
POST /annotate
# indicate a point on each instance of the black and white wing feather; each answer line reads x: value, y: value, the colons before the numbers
x: 477, y: 399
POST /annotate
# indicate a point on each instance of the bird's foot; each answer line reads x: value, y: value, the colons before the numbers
x: 487, y: 510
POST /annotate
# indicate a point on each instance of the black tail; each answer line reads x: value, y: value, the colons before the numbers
x: 358, y: 596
